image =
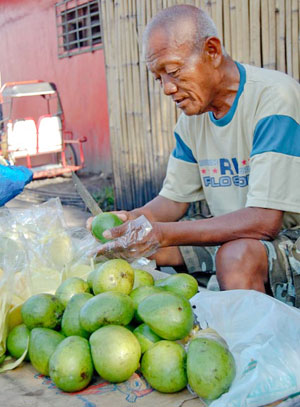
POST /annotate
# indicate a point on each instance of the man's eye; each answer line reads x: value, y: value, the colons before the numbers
x: 174, y: 73
x: 158, y: 79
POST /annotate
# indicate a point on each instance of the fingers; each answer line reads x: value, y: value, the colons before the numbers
x: 89, y: 223
x: 113, y: 233
x: 123, y: 215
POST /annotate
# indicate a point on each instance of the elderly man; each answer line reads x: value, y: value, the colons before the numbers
x: 237, y: 147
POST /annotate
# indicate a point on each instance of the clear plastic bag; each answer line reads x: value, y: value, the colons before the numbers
x: 137, y: 240
x: 37, y: 252
x: 263, y: 334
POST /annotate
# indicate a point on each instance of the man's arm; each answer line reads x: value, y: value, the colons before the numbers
x: 252, y: 223
x: 161, y: 209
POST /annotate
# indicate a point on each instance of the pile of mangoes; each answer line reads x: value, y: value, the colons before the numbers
x: 118, y: 321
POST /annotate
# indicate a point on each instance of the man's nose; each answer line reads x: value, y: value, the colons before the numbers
x: 168, y: 87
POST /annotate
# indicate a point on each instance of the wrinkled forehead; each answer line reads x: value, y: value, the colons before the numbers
x: 174, y: 36
x: 156, y: 42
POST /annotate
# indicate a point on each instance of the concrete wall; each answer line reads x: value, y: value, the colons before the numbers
x: 28, y: 50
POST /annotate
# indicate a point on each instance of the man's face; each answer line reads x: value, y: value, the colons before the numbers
x: 184, y: 74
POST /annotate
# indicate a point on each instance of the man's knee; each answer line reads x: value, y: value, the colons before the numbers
x: 242, y: 264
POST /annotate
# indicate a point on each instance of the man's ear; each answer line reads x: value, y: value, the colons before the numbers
x: 212, y: 50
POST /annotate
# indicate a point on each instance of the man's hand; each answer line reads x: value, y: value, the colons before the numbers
x: 135, y: 238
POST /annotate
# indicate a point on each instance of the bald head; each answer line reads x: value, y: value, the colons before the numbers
x: 182, y: 24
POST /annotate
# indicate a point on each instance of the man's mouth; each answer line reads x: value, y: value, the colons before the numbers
x: 179, y: 101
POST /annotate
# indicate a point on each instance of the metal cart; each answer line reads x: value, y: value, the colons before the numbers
x: 46, y: 138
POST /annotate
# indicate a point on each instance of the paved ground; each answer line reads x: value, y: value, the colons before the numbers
x: 74, y: 208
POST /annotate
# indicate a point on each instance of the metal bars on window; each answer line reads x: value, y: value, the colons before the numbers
x: 78, y: 27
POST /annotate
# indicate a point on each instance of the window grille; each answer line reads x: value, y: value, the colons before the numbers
x: 78, y: 27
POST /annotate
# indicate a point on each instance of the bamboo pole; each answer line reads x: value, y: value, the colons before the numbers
x: 214, y: 11
x: 255, y: 51
x: 126, y: 70
x: 147, y: 134
x: 140, y: 170
x: 126, y: 175
x: 151, y: 131
x: 233, y: 33
x: 208, y: 7
x: 288, y: 39
x: 155, y: 119
x: 280, y: 38
x: 109, y: 48
x: 272, y: 35
x: 227, y: 27
x: 265, y: 35
x: 239, y: 31
x: 245, y: 33
x: 219, y: 18
x: 295, y: 39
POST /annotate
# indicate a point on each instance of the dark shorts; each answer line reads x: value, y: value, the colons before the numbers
x: 283, y: 258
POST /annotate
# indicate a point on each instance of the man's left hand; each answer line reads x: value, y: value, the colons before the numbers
x: 135, y: 238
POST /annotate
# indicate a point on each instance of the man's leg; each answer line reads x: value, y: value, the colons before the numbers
x: 168, y: 256
x: 242, y: 264
x: 272, y: 266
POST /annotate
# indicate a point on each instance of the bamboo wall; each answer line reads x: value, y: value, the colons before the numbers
x: 260, y: 32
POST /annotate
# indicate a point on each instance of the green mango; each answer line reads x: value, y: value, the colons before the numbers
x: 70, y: 287
x: 70, y: 323
x: 210, y: 368
x: 163, y: 366
x: 169, y: 315
x: 141, y: 278
x: 42, y: 310
x: 146, y: 337
x: 71, y: 366
x: 139, y: 294
x: 107, y: 308
x: 90, y: 278
x: 114, y: 275
x: 102, y: 222
x: 181, y: 283
x: 116, y: 353
x: 42, y: 343
x: 17, y: 341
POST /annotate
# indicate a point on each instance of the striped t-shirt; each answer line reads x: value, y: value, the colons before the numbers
x: 248, y: 158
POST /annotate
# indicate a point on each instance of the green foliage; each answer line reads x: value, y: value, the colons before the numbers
x: 105, y: 198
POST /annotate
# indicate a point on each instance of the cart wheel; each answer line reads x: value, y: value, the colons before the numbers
x: 70, y: 153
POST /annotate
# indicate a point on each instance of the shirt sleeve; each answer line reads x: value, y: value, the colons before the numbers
x: 274, y: 180
x: 183, y: 181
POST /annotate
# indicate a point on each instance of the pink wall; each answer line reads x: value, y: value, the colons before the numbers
x: 28, y: 50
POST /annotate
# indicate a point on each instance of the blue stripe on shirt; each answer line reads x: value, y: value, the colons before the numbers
x: 182, y: 151
x: 277, y: 133
x: 229, y: 115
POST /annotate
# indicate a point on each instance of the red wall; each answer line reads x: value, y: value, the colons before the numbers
x: 28, y: 50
